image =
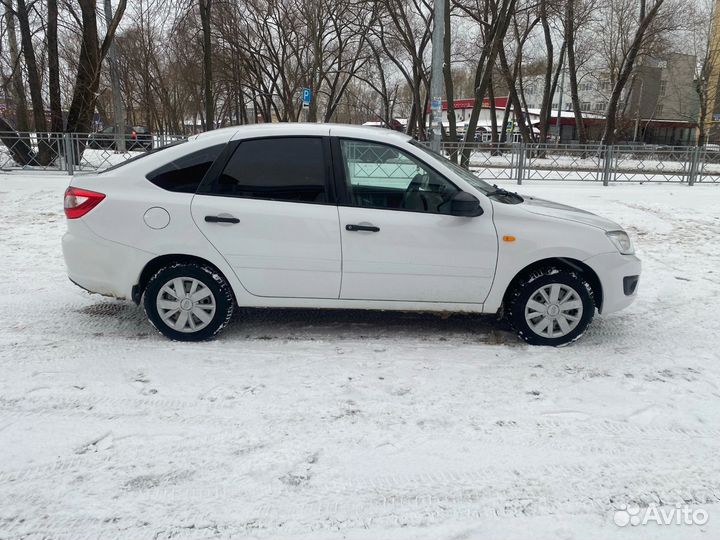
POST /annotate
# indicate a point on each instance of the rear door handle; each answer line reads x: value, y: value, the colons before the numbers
x: 369, y: 228
x: 221, y: 219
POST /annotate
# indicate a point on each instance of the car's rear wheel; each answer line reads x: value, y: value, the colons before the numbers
x: 188, y: 302
x: 552, y: 306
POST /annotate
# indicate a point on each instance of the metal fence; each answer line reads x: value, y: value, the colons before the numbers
x: 519, y: 162
x: 590, y: 163
x: 74, y: 152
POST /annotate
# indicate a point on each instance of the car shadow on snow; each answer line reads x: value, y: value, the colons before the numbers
x: 365, y: 324
x: 125, y: 318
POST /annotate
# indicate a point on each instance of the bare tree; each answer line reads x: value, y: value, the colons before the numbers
x: 577, y: 15
x: 627, y: 54
x: 17, y: 143
x: 404, y: 33
x: 524, y: 22
x: 494, y: 17
x: 45, y: 153
x: 702, y: 16
x: 92, y: 53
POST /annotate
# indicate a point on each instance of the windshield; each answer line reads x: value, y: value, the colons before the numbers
x: 457, y: 169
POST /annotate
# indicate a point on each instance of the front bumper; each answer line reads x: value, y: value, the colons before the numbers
x: 619, y: 276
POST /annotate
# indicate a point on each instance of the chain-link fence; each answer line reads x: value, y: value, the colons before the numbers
x: 519, y: 162
x: 593, y: 163
x: 74, y: 152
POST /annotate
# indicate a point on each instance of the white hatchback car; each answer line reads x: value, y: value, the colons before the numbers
x: 334, y: 216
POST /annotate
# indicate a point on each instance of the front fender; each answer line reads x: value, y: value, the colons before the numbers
x: 538, y: 238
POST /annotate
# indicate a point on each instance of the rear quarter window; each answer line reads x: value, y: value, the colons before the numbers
x: 184, y: 174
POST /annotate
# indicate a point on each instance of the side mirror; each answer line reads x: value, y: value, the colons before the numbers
x: 466, y: 205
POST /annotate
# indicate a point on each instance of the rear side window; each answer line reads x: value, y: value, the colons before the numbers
x: 279, y: 169
x: 185, y: 173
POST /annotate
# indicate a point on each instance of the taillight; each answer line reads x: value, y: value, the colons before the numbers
x: 79, y: 202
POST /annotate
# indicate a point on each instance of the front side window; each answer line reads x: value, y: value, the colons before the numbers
x: 185, y: 173
x: 278, y: 169
x: 381, y: 176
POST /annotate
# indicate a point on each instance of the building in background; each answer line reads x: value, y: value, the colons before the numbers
x: 660, y: 107
x: 663, y: 105
x: 712, y: 115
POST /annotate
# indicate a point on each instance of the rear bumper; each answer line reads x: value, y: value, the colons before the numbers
x: 98, y: 265
x: 619, y: 276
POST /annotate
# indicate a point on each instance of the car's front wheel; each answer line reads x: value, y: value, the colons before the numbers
x: 188, y: 301
x: 551, y: 306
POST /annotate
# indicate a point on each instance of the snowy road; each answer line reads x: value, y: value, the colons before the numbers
x: 359, y: 425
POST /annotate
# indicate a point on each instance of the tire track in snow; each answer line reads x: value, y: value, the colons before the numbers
x: 406, y: 500
x: 281, y: 450
x: 88, y: 406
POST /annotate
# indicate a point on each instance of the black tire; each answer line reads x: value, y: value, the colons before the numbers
x: 528, y: 289
x: 207, y: 276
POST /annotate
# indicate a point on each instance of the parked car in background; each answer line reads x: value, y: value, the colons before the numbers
x: 332, y: 216
x: 136, y: 138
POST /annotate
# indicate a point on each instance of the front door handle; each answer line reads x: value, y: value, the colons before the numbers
x: 221, y: 219
x: 369, y: 228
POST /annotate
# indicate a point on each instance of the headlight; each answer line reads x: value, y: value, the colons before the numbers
x: 622, y: 242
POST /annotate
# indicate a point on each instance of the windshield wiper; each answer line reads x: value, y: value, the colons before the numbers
x: 500, y: 191
x: 504, y: 192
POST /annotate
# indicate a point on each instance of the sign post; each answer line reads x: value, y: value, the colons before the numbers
x: 306, y: 98
x: 436, y: 74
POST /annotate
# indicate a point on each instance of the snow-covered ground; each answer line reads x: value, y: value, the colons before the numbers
x: 300, y: 424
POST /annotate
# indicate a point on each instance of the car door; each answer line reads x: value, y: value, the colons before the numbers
x: 270, y: 212
x: 398, y: 240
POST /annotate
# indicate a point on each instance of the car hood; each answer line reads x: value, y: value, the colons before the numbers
x: 570, y: 213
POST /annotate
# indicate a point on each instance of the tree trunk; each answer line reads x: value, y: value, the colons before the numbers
x: 546, y: 105
x: 572, y: 69
x: 18, y: 144
x: 702, y: 93
x: 506, y: 120
x: 45, y: 154
x: 205, y: 7
x: 56, y: 118
x: 87, y: 79
x: 17, y: 86
x: 484, y: 70
x: 514, y: 98
x: 493, y: 115
x: 553, y: 91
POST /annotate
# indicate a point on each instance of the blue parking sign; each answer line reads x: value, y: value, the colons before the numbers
x: 306, y: 96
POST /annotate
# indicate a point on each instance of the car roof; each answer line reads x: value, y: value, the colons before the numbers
x: 307, y: 128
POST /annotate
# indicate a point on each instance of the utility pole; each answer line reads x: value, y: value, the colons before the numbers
x: 118, y: 106
x: 436, y: 75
